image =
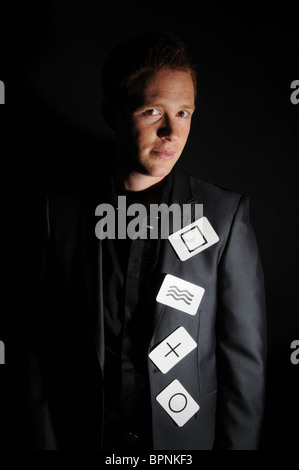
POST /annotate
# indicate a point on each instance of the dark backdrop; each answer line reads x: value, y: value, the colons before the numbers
x: 244, y: 137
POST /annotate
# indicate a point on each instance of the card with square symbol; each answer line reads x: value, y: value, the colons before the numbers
x: 191, y: 240
x: 177, y: 402
x: 172, y: 350
x: 180, y: 294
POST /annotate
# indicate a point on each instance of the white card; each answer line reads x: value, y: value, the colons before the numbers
x: 180, y: 294
x: 172, y: 350
x: 191, y: 240
x: 177, y: 402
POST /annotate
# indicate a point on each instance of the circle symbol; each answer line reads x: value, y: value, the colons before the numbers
x: 177, y: 402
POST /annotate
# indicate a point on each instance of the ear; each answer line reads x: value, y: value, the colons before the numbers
x: 109, y: 114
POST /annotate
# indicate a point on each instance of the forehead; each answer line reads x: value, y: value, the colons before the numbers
x: 169, y: 85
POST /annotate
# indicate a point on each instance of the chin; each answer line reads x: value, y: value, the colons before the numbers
x: 158, y: 170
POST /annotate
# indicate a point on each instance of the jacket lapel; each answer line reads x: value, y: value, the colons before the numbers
x: 169, y: 261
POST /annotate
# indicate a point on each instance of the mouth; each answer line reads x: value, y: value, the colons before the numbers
x: 164, y: 154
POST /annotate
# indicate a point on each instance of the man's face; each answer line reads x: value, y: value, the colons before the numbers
x: 160, y: 126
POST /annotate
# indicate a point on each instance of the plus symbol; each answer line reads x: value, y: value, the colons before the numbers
x: 173, y: 349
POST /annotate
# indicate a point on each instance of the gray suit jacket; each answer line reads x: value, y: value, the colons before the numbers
x: 224, y: 374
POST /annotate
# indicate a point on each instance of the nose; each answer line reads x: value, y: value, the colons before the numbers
x: 169, y: 129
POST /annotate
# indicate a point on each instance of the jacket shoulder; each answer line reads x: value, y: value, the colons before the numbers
x: 219, y: 205
x: 211, y: 194
x: 65, y: 212
x: 214, y: 191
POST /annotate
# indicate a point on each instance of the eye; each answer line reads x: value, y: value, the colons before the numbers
x: 183, y: 114
x: 151, y: 112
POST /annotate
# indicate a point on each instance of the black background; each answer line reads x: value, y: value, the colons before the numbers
x: 244, y: 137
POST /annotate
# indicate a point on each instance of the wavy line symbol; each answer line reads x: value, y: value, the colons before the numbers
x: 178, y: 294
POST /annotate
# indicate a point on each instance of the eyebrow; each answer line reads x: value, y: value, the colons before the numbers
x: 153, y: 104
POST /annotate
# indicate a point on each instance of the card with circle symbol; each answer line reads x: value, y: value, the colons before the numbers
x: 180, y: 294
x: 191, y: 240
x: 177, y: 402
x: 172, y: 350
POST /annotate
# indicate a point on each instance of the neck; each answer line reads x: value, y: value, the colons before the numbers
x: 140, y: 188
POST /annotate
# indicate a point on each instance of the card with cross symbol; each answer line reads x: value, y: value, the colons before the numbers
x: 172, y: 349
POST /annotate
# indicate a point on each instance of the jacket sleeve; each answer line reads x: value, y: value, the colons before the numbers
x: 241, y: 338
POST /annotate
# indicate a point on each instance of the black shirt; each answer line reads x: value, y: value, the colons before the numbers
x: 129, y: 273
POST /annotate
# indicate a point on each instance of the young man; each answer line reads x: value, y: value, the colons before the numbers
x: 151, y: 342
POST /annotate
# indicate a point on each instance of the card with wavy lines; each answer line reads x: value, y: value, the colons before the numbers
x: 180, y: 294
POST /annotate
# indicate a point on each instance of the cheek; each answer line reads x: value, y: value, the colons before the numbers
x: 144, y: 135
x: 185, y: 134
